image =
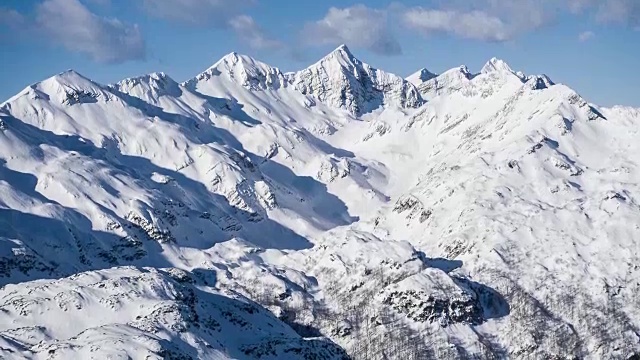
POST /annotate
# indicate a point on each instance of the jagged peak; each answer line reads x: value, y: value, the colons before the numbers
x: 421, y: 76
x: 537, y: 82
x: 342, y: 56
x: 496, y: 65
x: 234, y: 59
x: 243, y: 69
x: 234, y: 62
x: 341, y: 80
x: 158, y: 76
x: 150, y: 85
x: 343, y: 48
x: 465, y: 71
x: 460, y: 71
x: 343, y: 51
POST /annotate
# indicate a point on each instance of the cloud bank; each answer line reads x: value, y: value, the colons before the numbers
x: 70, y: 24
x: 358, y: 26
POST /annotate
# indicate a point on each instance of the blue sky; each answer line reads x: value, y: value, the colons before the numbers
x: 591, y: 45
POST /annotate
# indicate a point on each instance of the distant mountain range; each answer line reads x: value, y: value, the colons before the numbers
x: 335, y: 212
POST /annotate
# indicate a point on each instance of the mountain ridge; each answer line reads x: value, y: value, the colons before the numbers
x: 488, y: 215
x: 250, y: 68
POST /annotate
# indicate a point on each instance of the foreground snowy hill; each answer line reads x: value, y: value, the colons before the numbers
x: 460, y: 215
x: 143, y: 313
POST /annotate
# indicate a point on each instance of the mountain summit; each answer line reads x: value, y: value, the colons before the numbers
x: 244, y: 70
x: 341, y: 80
x: 496, y: 65
x: 421, y: 76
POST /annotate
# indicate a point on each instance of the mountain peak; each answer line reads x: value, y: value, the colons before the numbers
x: 69, y: 87
x: 343, y: 49
x: 158, y: 75
x: 464, y: 69
x: 154, y: 76
x: 538, y: 82
x: 149, y: 87
x: 342, y: 55
x: 461, y: 72
x: 341, y: 80
x: 243, y: 69
x: 496, y: 65
x: 233, y: 58
x: 421, y: 76
x: 69, y: 77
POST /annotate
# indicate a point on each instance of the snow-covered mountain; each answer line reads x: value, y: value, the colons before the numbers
x: 144, y: 313
x: 421, y: 76
x: 336, y: 211
x: 341, y: 80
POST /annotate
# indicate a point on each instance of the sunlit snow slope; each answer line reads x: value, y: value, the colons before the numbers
x: 336, y: 211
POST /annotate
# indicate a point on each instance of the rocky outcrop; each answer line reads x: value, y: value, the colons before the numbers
x: 414, y: 208
x: 420, y: 306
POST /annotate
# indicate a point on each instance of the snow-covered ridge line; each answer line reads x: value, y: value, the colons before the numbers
x: 339, y: 79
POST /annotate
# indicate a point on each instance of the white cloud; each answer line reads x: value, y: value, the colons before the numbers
x: 70, y: 24
x: 196, y: 12
x: 224, y: 14
x: 498, y: 20
x: 586, y: 36
x: 250, y: 32
x: 522, y: 15
x: 358, y: 26
x: 486, y: 20
x: 472, y: 25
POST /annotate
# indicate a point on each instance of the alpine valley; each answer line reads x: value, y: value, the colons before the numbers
x: 332, y: 213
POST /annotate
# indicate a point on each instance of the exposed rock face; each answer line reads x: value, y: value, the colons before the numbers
x: 343, y: 81
x: 539, y: 82
x: 413, y: 207
x: 80, y: 96
x: 422, y: 307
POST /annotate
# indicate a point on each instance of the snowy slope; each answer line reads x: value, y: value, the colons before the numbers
x: 460, y: 215
x: 143, y: 313
x: 534, y: 190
